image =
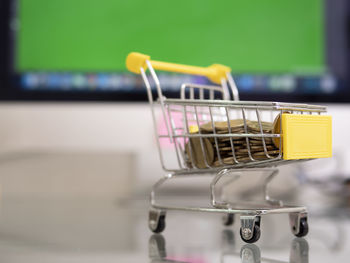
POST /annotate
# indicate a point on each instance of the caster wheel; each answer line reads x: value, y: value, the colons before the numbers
x: 228, y: 219
x: 249, y: 237
x: 303, y: 228
x: 156, y: 221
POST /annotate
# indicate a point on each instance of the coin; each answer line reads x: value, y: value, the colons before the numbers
x: 196, y: 154
x: 226, y: 147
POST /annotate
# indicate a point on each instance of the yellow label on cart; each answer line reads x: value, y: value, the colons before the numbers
x: 306, y: 136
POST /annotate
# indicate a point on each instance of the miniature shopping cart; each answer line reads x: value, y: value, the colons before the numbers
x: 204, y: 127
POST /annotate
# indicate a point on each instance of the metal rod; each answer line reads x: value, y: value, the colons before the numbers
x: 247, y: 138
x: 227, y: 135
x: 160, y: 96
x: 150, y: 99
x: 231, y: 141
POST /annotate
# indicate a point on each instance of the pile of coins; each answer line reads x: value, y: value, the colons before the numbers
x: 217, y: 151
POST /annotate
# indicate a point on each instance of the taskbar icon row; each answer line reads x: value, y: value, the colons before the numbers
x: 269, y: 83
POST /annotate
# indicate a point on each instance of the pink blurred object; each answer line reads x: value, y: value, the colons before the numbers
x: 162, y: 128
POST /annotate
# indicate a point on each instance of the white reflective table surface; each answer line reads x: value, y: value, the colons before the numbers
x: 72, y: 207
x: 37, y: 230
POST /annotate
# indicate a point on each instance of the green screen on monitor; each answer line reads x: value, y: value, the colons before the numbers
x: 96, y: 35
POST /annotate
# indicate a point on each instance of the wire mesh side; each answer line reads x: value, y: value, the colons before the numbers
x: 191, y: 141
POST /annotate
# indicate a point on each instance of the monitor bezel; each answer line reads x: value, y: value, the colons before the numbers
x: 10, y: 91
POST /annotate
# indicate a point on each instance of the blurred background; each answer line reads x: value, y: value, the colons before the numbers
x: 76, y: 126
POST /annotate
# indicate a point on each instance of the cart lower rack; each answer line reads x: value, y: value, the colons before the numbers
x: 212, y: 135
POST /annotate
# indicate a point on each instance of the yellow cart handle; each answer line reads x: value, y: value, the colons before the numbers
x: 216, y: 72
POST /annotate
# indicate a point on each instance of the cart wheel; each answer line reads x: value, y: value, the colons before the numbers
x: 303, y: 228
x: 228, y: 219
x: 249, y: 237
x: 156, y: 221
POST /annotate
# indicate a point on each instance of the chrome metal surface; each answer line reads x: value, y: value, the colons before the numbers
x: 154, y: 217
x: 224, y: 206
x: 247, y: 226
x: 294, y: 220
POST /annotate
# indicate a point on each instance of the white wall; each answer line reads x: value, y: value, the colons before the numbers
x: 341, y: 136
x: 110, y: 127
x: 74, y: 127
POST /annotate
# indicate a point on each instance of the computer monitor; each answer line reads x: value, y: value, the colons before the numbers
x: 292, y: 50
